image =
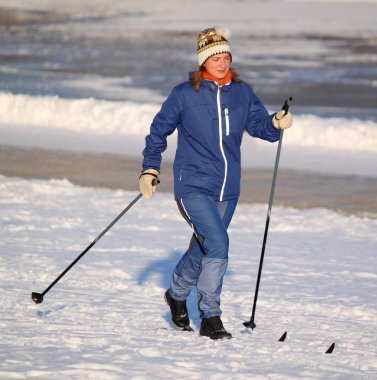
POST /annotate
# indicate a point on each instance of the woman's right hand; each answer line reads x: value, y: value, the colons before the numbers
x: 147, y: 182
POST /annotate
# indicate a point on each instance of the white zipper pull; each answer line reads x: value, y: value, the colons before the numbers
x: 227, y: 121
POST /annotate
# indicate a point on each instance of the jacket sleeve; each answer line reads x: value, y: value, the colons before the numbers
x: 163, y: 125
x: 259, y: 122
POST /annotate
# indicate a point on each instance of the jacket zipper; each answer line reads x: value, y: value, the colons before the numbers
x: 221, y: 141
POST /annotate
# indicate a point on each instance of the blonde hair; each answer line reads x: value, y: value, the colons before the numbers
x: 197, y: 78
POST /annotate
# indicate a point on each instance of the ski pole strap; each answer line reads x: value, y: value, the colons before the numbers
x: 155, y: 180
x: 153, y: 175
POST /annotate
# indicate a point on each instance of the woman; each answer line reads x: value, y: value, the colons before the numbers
x: 211, y: 111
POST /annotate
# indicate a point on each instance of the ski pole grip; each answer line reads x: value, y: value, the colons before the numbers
x: 155, y: 181
x: 286, y: 105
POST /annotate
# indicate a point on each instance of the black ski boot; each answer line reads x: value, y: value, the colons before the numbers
x: 213, y: 328
x: 179, y: 314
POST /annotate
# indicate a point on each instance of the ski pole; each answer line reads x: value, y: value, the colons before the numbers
x: 251, y: 323
x: 38, y: 297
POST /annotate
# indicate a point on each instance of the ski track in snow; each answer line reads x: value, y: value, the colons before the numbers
x: 106, y: 319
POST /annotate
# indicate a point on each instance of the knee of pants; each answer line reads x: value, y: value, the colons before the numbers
x: 217, y: 246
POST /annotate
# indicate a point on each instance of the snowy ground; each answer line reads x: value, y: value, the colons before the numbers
x: 106, y: 319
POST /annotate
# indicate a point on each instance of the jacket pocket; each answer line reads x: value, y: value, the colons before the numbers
x: 227, y: 125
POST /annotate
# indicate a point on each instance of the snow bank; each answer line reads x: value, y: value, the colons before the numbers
x: 331, y: 144
x: 100, y: 117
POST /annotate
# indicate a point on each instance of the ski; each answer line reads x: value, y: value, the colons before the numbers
x: 282, y: 338
x: 328, y: 351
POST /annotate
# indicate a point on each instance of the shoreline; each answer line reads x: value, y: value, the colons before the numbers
x: 345, y: 194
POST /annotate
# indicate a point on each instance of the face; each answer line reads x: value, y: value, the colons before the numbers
x: 218, y: 65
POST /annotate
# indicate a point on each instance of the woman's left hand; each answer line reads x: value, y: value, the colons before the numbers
x: 282, y: 122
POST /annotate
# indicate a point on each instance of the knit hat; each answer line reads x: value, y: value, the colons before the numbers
x: 212, y: 41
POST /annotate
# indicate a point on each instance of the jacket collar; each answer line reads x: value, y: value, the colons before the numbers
x: 214, y: 86
x: 211, y: 84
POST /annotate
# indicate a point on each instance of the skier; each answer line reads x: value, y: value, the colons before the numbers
x: 211, y: 111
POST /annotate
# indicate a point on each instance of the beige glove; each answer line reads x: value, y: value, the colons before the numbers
x: 147, y: 182
x: 282, y: 122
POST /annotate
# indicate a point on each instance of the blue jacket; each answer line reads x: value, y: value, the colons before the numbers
x: 211, y: 123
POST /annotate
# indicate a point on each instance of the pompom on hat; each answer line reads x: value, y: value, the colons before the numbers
x: 212, y: 41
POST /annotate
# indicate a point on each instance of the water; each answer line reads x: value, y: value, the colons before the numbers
x: 59, y: 53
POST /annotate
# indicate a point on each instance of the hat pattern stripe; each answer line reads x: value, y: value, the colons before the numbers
x: 213, y: 44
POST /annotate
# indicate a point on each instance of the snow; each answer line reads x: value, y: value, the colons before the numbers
x: 106, y: 318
